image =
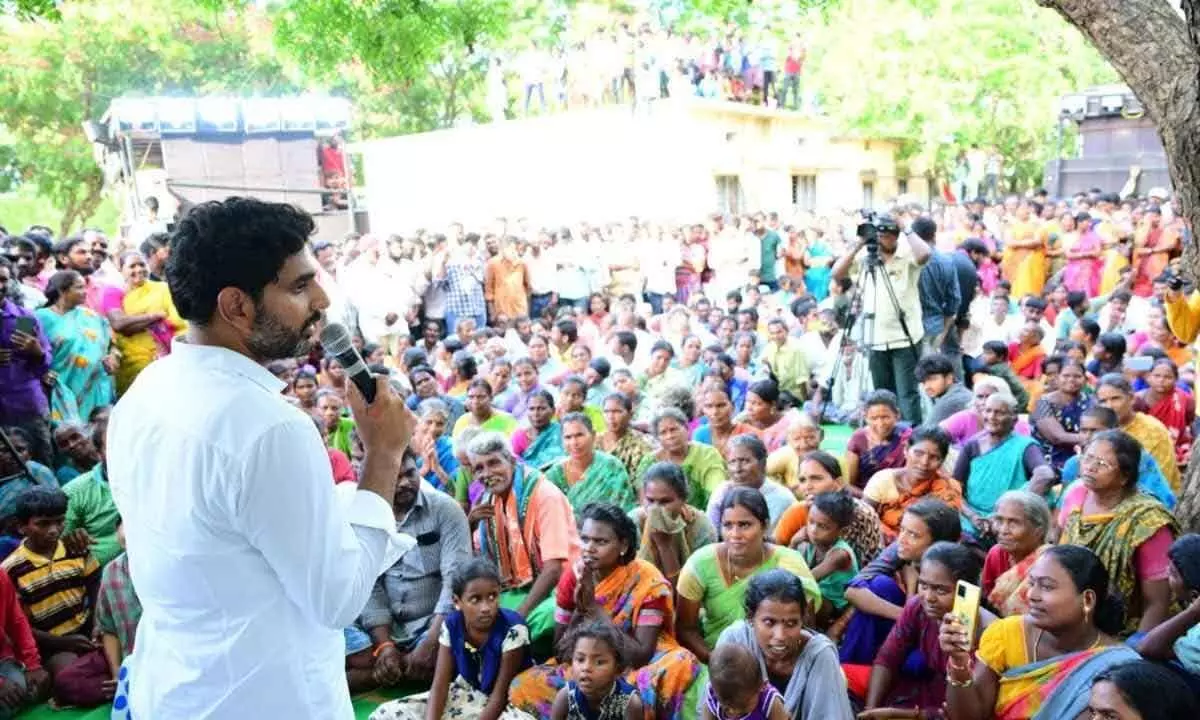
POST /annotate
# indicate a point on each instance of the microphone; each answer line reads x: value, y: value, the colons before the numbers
x: 335, y: 339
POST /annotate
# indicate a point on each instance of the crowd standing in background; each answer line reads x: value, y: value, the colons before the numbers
x: 706, y: 470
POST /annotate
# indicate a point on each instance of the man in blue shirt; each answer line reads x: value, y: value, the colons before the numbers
x: 939, y: 291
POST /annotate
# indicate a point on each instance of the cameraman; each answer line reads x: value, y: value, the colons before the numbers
x: 893, y: 358
x: 1183, y: 313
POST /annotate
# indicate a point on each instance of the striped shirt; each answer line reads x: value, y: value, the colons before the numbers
x: 54, y: 591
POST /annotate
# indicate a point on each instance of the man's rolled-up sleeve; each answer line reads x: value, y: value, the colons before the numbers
x: 326, y: 554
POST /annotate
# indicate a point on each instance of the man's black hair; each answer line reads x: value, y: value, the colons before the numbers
x: 925, y: 228
x: 238, y: 242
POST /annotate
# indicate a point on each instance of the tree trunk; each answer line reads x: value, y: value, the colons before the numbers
x: 1156, y: 49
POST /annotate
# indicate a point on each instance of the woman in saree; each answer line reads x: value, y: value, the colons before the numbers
x: 1116, y: 256
x: 1083, y: 249
x: 908, y: 676
x: 586, y: 474
x: 538, y: 442
x: 670, y: 530
x: 573, y: 399
x: 524, y: 525
x: 804, y: 436
x: 879, y: 444
x: 81, y: 341
x: 1024, y: 262
x: 436, y: 460
x: 763, y: 414
x: 995, y: 461
x: 525, y: 372
x: 481, y: 414
x: 689, y: 368
x: 720, y: 428
x: 890, y: 492
x: 818, y: 264
x: 1130, y: 531
x: 1022, y: 523
x: 1153, y: 245
x: 1039, y: 665
x: 966, y: 424
x: 1026, y: 356
x: 1172, y: 407
x: 821, y: 472
x: 143, y: 319
x: 714, y: 579
x: 800, y: 663
x: 621, y: 439
x: 612, y: 582
x: 1114, y: 392
x: 701, y: 464
x: 747, y: 467
x: 881, y: 589
x: 1056, y: 416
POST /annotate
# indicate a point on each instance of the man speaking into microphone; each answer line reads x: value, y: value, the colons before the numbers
x: 246, y: 565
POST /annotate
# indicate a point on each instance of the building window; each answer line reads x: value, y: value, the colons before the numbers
x: 804, y: 192
x: 868, y: 194
x: 902, y: 186
x: 729, y: 194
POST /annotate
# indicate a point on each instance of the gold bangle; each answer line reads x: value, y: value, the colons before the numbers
x: 959, y: 684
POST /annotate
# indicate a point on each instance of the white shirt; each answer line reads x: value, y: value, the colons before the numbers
x: 246, y: 565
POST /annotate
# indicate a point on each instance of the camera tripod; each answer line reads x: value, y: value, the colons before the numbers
x: 858, y: 346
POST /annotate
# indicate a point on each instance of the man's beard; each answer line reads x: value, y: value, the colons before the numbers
x: 270, y: 339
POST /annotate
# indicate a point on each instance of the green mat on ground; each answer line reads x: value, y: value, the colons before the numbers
x: 364, y: 705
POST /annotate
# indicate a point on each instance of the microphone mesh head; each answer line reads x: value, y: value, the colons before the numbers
x: 335, y: 339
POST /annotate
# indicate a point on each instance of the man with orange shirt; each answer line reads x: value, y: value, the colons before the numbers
x: 506, y: 285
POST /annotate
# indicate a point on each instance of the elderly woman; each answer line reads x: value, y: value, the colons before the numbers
x: 702, y: 464
x: 621, y: 439
x: 801, y: 663
x: 81, y: 344
x: 747, y: 467
x: 880, y: 443
x: 1056, y: 415
x: 966, y: 424
x: 1022, y: 523
x: 434, y: 451
x: 524, y: 524
x: 890, y: 492
x: 425, y: 386
x: 820, y: 473
x: 587, y: 474
x: 995, y: 461
x: 715, y: 577
x: 481, y: 413
x: 614, y: 583
x: 670, y: 530
x: 1115, y: 392
x: 1129, y: 531
x: 1039, y: 665
x: 804, y: 436
x: 538, y: 441
x: 143, y: 319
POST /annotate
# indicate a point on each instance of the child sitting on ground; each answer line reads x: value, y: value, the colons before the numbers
x: 57, y: 589
x: 994, y: 360
x: 482, y: 648
x: 118, y: 612
x: 828, y: 554
x: 737, y: 688
x: 598, y: 689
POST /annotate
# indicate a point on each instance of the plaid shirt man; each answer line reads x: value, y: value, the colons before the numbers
x: 118, y: 609
x: 464, y: 289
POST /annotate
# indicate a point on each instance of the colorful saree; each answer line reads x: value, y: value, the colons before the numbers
x: 1069, y: 416
x: 1114, y: 259
x: 1056, y: 688
x: 605, y: 480
x: 1160, y: 241
x: 500, y: 422
x: 871, y: 460
x: 703, y: 581
x: 633, y: 596
x: 703, y: 467
x: 1083, y: 274
x: 1027, y: 363
x: 1010, y: 594
x: 1115, y: 538
x: 1024, y: 267
x: 444, y: 449
x: 143, y: 348
x: 543, y: 450
x: 1177, y: 412
x: 630, y: 450
x: 816, y: 279
x: 892, y: 501
x: 1155, y: 439
x: 79, y: 340
x: 994, y: 473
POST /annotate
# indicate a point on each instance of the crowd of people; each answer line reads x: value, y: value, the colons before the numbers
x: 640, y: 62
x: 717, y: 470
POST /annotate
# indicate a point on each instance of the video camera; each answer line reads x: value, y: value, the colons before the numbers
x: 873, y: 224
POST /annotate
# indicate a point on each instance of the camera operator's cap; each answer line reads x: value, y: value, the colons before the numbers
x: 887, y: 224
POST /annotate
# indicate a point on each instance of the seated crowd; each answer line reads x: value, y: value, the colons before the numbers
x: 632, y: 510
